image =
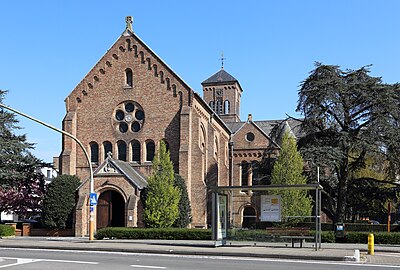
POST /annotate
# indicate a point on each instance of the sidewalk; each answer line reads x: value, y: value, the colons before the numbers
x: 384, y: 254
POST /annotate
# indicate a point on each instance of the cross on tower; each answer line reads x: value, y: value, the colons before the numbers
x: 222, y: 60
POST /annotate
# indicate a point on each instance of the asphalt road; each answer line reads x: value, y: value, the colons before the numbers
x: 28, y: 259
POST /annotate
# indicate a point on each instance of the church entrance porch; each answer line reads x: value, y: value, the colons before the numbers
x: 110, y: 210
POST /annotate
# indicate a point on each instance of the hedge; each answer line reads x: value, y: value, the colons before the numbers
x: 7, y: 230
x: 155, y: 233
x: 236, y: 235
x: 352, y: 227
x: 392, y: 238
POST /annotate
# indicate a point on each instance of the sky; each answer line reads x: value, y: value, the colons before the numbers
x: 47, y: 47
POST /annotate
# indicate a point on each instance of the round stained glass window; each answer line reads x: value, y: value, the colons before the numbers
x: 123, y: 127
x: 128, y: 117
x: 250, y: 136
x: 129, y: 107
x: 139, y: 115
x: 135, y: 126
x: 119, y: 115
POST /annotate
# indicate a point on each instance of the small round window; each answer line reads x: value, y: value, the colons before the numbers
x: 123, y: 127
x: 129, y: 107
x: 250, y: 136
x: 128, y: 117
x: 119, y: 115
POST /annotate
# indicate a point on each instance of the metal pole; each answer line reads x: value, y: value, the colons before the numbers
x: 319, y: 210
x: 91, y: 217
x: 316, y: 219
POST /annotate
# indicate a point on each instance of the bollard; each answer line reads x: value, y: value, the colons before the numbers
x: 370, y: 244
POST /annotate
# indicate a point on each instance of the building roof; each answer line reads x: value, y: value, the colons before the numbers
x: 112, y: 166
x: 273, y: 128
x: 131, y: 173
x: 220, y: 77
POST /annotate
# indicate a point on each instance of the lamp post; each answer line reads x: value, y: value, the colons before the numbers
x: 91, y: 216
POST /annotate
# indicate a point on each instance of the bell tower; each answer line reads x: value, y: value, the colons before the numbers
x: 222, y: 92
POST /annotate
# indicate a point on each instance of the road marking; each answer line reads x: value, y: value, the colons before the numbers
x: 211, y: 257
x: 19, y: 262
x: 148, y: 266
x: 24, y: 261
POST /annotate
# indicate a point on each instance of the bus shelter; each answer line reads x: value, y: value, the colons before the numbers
x: 223, y: 207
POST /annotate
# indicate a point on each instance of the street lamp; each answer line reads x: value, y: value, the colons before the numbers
x: 91, y: 216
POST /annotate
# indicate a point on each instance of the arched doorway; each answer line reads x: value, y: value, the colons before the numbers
x: 249, y: 217
x: 110, y: 210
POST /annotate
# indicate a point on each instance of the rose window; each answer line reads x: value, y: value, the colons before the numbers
x: 128, y: 117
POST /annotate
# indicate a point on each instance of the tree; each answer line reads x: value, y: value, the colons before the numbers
x: 185, y: 210
x: 349, y: 116
x: 59, y: 201
x: 288, y: 170
x: 21, y: 184
x: 162, y: 196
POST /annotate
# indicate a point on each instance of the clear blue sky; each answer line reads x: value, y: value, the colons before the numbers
x: 47, y: 47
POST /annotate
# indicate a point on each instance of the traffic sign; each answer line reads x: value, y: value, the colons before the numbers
x: 93, y: 199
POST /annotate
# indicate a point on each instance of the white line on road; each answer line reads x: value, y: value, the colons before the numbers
x: 148, y: 266
x: 19, y: 262
x: 214, y: 257
x: 23, y: 261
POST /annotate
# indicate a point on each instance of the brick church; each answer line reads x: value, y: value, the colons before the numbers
x: 128, y: 103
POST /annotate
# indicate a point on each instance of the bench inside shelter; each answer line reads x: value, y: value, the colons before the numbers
x: 295, y: 235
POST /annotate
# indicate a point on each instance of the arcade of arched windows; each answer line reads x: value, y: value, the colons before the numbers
x: 134, y: 151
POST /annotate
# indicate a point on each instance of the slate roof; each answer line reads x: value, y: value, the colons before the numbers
x: 133, y: 175
x: 220, y: 77
x: 273, y: 128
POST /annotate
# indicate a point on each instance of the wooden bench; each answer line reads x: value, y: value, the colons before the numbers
x: 296, y: 235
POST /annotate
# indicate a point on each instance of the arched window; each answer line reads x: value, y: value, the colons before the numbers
x: 255, y: 165
x: 150, y: 150
x: 121, y: 150
x: 94, y: 152
x: 212, y: 105
x: 216, y: 148
x: 135, y: 151
x: 245, y: 173
x: 249, y: 217
x: 107, y: 146
x: 227, y: 107
x: 129, y: 78
x: 219, y: 107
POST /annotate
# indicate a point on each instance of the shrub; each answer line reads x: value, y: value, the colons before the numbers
x: 59, y: 201
x: 379, y: 238
x: 153, y: 233
x: 6, y: 230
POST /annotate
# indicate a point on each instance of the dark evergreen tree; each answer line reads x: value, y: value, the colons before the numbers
x: 349, y: 117
x: 184, y: 208
x: 21, y: 183
x: 59, y: 201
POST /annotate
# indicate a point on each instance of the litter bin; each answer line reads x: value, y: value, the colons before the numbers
x: 340, y: 232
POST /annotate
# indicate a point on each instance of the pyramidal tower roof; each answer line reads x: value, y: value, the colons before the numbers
x: 220, y: 77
